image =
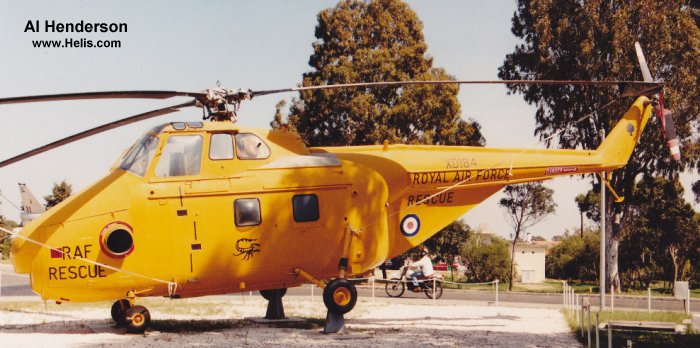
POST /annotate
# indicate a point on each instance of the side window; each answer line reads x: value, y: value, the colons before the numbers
x: 305, y: 208
x: 247, y: 212
x: 250, y: 146
x: 221, y: 146
x: 181, y: 156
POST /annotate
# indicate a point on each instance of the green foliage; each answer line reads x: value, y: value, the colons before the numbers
x: 376, y: 41
x: 4, y: 240
x: 575, y: 258
x: 589, y: 204
x: 447, y: 243
x: 277, y: 121
x: 638, y: 338
x: 486, y: 260
x: 664, y: 237
x: 593, y: 40
x: 59, y: 193
x: 525, y: 205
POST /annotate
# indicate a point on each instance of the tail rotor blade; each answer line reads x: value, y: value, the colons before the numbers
x: 671, y: 137
x: 665, y: 115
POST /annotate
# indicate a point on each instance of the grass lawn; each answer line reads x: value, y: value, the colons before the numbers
x: 556, y: 286
x: 638, y: 338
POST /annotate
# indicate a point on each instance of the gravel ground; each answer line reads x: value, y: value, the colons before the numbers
x: 222, y: 321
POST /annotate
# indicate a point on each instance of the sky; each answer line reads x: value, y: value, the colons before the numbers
x: 190, y: 45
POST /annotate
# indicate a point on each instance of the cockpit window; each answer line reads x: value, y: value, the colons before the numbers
x: 181, y: 156
x: 140, y: 155
x: 250, y: 146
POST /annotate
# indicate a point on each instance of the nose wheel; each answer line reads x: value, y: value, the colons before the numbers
x: 136, y: 319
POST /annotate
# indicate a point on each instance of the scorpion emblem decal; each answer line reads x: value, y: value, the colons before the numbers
x: 248, y: 248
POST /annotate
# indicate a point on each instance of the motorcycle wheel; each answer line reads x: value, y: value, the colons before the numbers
x: 395, y: 287
x: 429, y: 290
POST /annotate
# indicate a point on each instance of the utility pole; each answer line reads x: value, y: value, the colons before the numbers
x: 603, y: 177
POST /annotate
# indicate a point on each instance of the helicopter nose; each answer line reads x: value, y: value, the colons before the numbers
x: 22, y: 251
x: 76, y: 223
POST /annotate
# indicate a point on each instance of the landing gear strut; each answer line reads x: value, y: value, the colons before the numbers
x: 275, y: 309
x: 339, y: 295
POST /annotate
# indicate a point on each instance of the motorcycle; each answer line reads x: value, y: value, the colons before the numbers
x: 395, y: 287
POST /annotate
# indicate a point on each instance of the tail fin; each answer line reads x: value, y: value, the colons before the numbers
x: 617, y: 147
x: 29, y: 203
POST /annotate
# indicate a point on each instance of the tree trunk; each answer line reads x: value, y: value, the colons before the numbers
x: 512, y: 266
x: 581, y: 224
x: 673, y: 251
x: 612, y: 243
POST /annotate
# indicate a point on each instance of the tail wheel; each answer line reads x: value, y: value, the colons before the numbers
x: 340, y: 296
x: 395, y: 287
x: 138, y: 319
x: 438, y: 290
x: 119, y: 309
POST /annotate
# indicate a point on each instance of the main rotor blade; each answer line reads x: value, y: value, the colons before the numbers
x: 96, y: 130
x: 646, y: 74
x: 101, y: 95
x: 640, y: 85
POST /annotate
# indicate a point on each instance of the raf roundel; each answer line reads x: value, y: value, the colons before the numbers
x: 410, y: 225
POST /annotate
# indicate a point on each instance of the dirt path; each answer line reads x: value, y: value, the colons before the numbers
x: 220, y: 321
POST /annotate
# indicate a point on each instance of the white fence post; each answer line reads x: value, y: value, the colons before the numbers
x: 372, y: 289
x: 571, y: 299
x: 312, y: 293
x: 649, y: 300
x: 563, y: 293
x: 612, y: 297
x: 497, y: 292
x: 434, y: 300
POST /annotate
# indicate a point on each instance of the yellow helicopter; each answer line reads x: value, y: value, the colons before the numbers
x: 201, y: 208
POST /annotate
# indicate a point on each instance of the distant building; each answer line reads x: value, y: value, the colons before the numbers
x: 529, y: 260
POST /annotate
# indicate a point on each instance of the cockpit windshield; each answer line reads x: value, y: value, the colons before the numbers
x: 140, y: 155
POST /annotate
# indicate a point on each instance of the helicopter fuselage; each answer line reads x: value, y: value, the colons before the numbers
x: 215, y: 208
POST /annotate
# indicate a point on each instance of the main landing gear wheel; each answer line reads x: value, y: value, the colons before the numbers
x: 119, y: 309
x: 395, y: 287
x: 339, y: 296
x: 138, y: 319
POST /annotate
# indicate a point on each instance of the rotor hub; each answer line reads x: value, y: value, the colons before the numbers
x: 221, y: 104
